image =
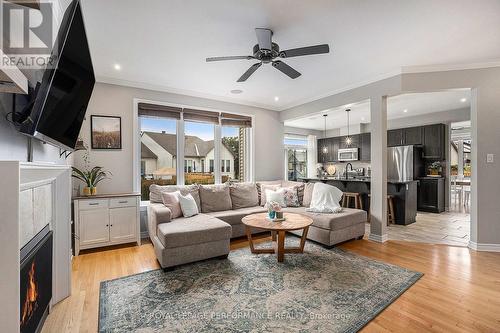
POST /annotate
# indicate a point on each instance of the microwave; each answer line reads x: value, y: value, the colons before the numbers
x: 348, y: 154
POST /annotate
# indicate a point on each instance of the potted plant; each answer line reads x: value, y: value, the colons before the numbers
x: 274, y: 210
x: 91, y: 178
x: 435, y: 169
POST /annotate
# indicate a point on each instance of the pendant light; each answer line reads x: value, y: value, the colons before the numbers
x: 325, y: 148
x: 348, y: 139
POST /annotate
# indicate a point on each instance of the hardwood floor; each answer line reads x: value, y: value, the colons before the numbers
x: 460, y: 291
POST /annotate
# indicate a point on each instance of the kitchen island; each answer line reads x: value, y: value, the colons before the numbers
x: 404, y: 193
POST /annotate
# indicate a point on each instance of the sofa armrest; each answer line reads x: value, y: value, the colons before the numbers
x: 157, y: 214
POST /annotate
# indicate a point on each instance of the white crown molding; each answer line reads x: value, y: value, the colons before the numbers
x: 377, y: 238
x: 449, y: 67
x: 190, y: 93
x: 484, y: 247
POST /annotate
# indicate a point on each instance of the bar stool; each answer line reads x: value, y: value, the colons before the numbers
x: 346, y: 200
x: 391, y: 217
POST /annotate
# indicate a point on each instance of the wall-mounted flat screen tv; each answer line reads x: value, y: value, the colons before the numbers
x: 61, y: 101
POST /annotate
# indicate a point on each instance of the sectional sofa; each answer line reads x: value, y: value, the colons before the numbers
x: 207, y: 235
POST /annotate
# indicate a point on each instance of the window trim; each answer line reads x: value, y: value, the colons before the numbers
x: 136, y: 146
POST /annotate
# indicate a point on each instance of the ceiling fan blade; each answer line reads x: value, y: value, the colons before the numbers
x: 285, y: 69
x: 302, y: 51
x: 249, y: 72
x: 264, y: 38
x: 229, y: 58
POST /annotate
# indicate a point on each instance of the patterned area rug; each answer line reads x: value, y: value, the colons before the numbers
x: 319, y: 291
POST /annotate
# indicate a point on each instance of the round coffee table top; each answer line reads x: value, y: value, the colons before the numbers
x: 292, y: 222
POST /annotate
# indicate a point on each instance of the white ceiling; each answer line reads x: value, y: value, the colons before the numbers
x: 414, y: 104
x: 163, y: 44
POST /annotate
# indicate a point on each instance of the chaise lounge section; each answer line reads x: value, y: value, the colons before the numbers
x: 207, y: 235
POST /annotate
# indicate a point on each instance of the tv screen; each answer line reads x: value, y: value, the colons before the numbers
x: 61, y: 102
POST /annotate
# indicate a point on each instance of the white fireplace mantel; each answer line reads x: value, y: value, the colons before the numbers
x: 50, y: 202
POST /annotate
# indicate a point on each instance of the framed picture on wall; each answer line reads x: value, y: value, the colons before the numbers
x: 106, y: 132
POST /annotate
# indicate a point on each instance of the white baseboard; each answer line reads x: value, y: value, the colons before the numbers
x: 377, y: 238
x: 484, y: 247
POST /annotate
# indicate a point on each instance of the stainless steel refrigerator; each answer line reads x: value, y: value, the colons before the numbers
x: 404, y: 163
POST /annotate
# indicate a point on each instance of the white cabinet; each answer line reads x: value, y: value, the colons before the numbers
x: 94, y: 226
x: 106, y: 220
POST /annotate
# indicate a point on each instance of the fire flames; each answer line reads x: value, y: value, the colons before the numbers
x: 30, y: 301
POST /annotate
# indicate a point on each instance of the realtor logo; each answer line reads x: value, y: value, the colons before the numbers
x: 27, y: 30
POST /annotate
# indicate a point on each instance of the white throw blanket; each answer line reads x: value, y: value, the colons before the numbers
x: 325, y: 199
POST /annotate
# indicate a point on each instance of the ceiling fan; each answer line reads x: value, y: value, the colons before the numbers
x: 265, y: 51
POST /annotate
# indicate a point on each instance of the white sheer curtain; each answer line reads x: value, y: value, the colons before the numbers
x: 311, y: 155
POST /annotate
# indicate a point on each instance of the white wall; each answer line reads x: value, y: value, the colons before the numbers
x: 117, y: 100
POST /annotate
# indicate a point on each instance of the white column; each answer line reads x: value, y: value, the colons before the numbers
x: 312, y: 157
x: 180, y: 152
x: 378, y: 188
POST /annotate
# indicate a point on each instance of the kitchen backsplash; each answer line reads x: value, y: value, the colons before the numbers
x: 340, y: 167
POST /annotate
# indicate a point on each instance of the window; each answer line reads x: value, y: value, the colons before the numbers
x: 296, y: 156
x: 198, y: 143
x: 161, y: 127
x: 158, y: 152
x: 233, y: 152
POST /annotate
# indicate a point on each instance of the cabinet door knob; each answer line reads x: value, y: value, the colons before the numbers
x: 107, y: 225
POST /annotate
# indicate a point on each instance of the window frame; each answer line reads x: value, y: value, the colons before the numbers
x: 180, y: 134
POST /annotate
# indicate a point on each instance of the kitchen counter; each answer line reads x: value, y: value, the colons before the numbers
x: 404, y: 194
x: 362, y: 180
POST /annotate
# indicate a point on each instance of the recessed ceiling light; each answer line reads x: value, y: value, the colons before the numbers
x: 405, y: 110
x: 236, y: 91
x: 276, y: 98
x: 463, y: 100
x: 117, y: 67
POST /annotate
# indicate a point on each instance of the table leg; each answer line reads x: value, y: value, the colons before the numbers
x: 249, y: 237
x: 281, y: 246
x: 303, y: 239
x: 273, y: 236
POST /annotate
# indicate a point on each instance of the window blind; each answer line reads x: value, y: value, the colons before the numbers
x: 229, y: 119
x: 154, y: 110
x: 201, y: 116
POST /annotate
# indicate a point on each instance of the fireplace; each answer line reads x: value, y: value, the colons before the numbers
x: 35, y: 281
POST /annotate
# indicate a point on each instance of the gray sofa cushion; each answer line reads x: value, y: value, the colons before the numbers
x: 198, y: 229
x: 233, y: 217
x: 244, y: 195
x: 157, y: 214
x: 155, y: 192
x: 308, y: 192
x: 348, y: 217
x: 215, y: 198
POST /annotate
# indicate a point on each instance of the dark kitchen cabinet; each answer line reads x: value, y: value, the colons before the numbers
x: 434, y: 141
x: 365, y: 147
x: 395, y: 138
x: 430, y: 195
x: 333, y: 149
x: 321, y: 155
x: 413, y: 135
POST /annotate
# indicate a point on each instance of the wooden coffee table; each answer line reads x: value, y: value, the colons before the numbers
x: 278, y: 230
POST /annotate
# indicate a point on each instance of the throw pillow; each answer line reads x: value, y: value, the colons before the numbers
x: 298, y: 185
x: 263, y: 188
x: 291, y: 196
x: 215, y: 198
x: 188, y: 205
x: 276, y: 196
x: 171, y: 201
x: 244, y: 195
x: 156, y: 190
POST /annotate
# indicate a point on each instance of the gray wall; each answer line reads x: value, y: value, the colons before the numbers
x: 108, y: 99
